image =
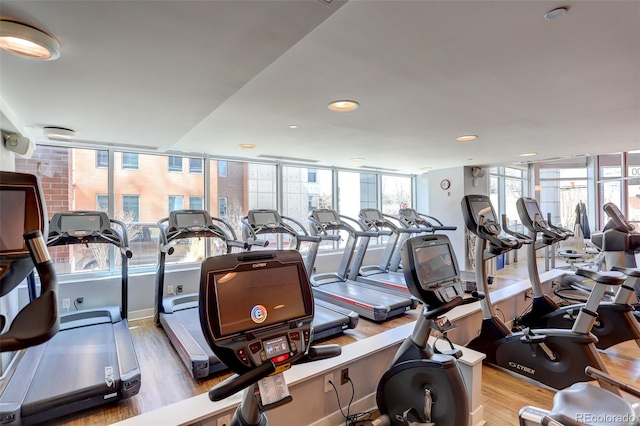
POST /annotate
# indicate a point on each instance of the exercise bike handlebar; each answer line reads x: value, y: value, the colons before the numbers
x: 456, y: 301
x: 601, y: 376
x: 238, y: 382
x: 38, y: 321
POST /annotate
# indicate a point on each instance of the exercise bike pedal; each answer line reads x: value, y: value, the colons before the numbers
x: 530, y: 338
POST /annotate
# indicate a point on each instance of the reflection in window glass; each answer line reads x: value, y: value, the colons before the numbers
x: 102, y: 158
x: 195, y: 165
x: 131, y: 207
x: 175, y: 164
x: 609, y: 193
x: 396, y: 194
x: 176, y: 202
x: 356, y: 191
x: 301, y: 195
x: 610, y: 166
x: 129, y: 160
x: 222, y: 168
x: 196, y: 203
x: 222, y: 206
x: 153, y: 185
x: 102, y: 202
x: 229, y: 191
x: 72, y: 179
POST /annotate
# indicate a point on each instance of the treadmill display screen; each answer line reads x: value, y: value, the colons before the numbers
x: 533, y: 210
x: 87, y: 223
x: 188, y: 220
x: 264, y: 218
x: 435, y: 264
x: 482, y: 208
x: 327, y: 217
x: 409, y: 213
x: 373, y: 215
x: 13, y: 220
x: 256, y: 298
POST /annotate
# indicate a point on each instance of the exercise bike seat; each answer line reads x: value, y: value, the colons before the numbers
x: 586, y: 404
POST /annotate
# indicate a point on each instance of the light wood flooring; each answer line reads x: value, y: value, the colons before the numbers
x: 166, y: 381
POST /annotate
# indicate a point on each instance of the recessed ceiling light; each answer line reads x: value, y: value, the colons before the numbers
x: 247, y: 146
x: 28, y: 42
x: 425, y: 169
x: 466, y: 138
x: 528, y: 154
x: 293, y: 126
x: 555, y: 13
x: 59, y: 133
x: 343, y: 106
x: 357, y: 160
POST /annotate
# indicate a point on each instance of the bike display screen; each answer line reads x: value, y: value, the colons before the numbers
x: 13, y: 223
x: 435, y: 264
x: 259, y: 297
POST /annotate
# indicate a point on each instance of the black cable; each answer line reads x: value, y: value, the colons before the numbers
x: 350, y: 419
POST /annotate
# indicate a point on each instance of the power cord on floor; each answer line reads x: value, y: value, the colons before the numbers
x: 351, y: 419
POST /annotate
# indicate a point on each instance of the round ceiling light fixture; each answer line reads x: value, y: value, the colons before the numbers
x: 343, y: 105
x: 59, y: 133
x: 529, y: 154
x: 28, y: 42
x: 357, y: 160
x: 425, y: 169
x: 293, y: 126
x: 466, y: 138
x: 246, y: 146
x: 555, y: 13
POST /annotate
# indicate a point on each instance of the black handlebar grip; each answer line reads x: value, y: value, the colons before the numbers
x: 316, y: 353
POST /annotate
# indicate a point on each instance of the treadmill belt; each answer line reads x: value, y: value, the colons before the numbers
x: 190, y: 319
x: 76, y: 364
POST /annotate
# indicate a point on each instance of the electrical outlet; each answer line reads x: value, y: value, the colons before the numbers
x: 344, y: 374
x: 66, y: 304
x: 170, y: 290
x: 327, y: 386
x: 224, y: 420
x: 179, y: 289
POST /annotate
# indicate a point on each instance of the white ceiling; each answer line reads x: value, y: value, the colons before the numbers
x: 206, y: 76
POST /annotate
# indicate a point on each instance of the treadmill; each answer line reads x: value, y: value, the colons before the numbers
x: 379, y: 275
x: 329, y: 319
x: 178, y: 314
x: 364, y: 299
x: 411, y: 219
x: 91, y: 360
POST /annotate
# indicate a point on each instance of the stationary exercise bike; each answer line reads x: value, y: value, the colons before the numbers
x: 584, y: 404
x: 424, y: 385
x: 615, y: 321
x: 256, y: 311
x: 554, y: 357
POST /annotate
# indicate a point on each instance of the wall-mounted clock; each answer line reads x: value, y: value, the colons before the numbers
x: 445, y: 184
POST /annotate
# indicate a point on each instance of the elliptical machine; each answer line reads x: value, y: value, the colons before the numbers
x: 554, y: 357
x: 424, y: 385
x: 256, y: 311
x: 615, y: 321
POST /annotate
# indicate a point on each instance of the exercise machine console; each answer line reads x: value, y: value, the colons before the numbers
x: 256, y: 311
